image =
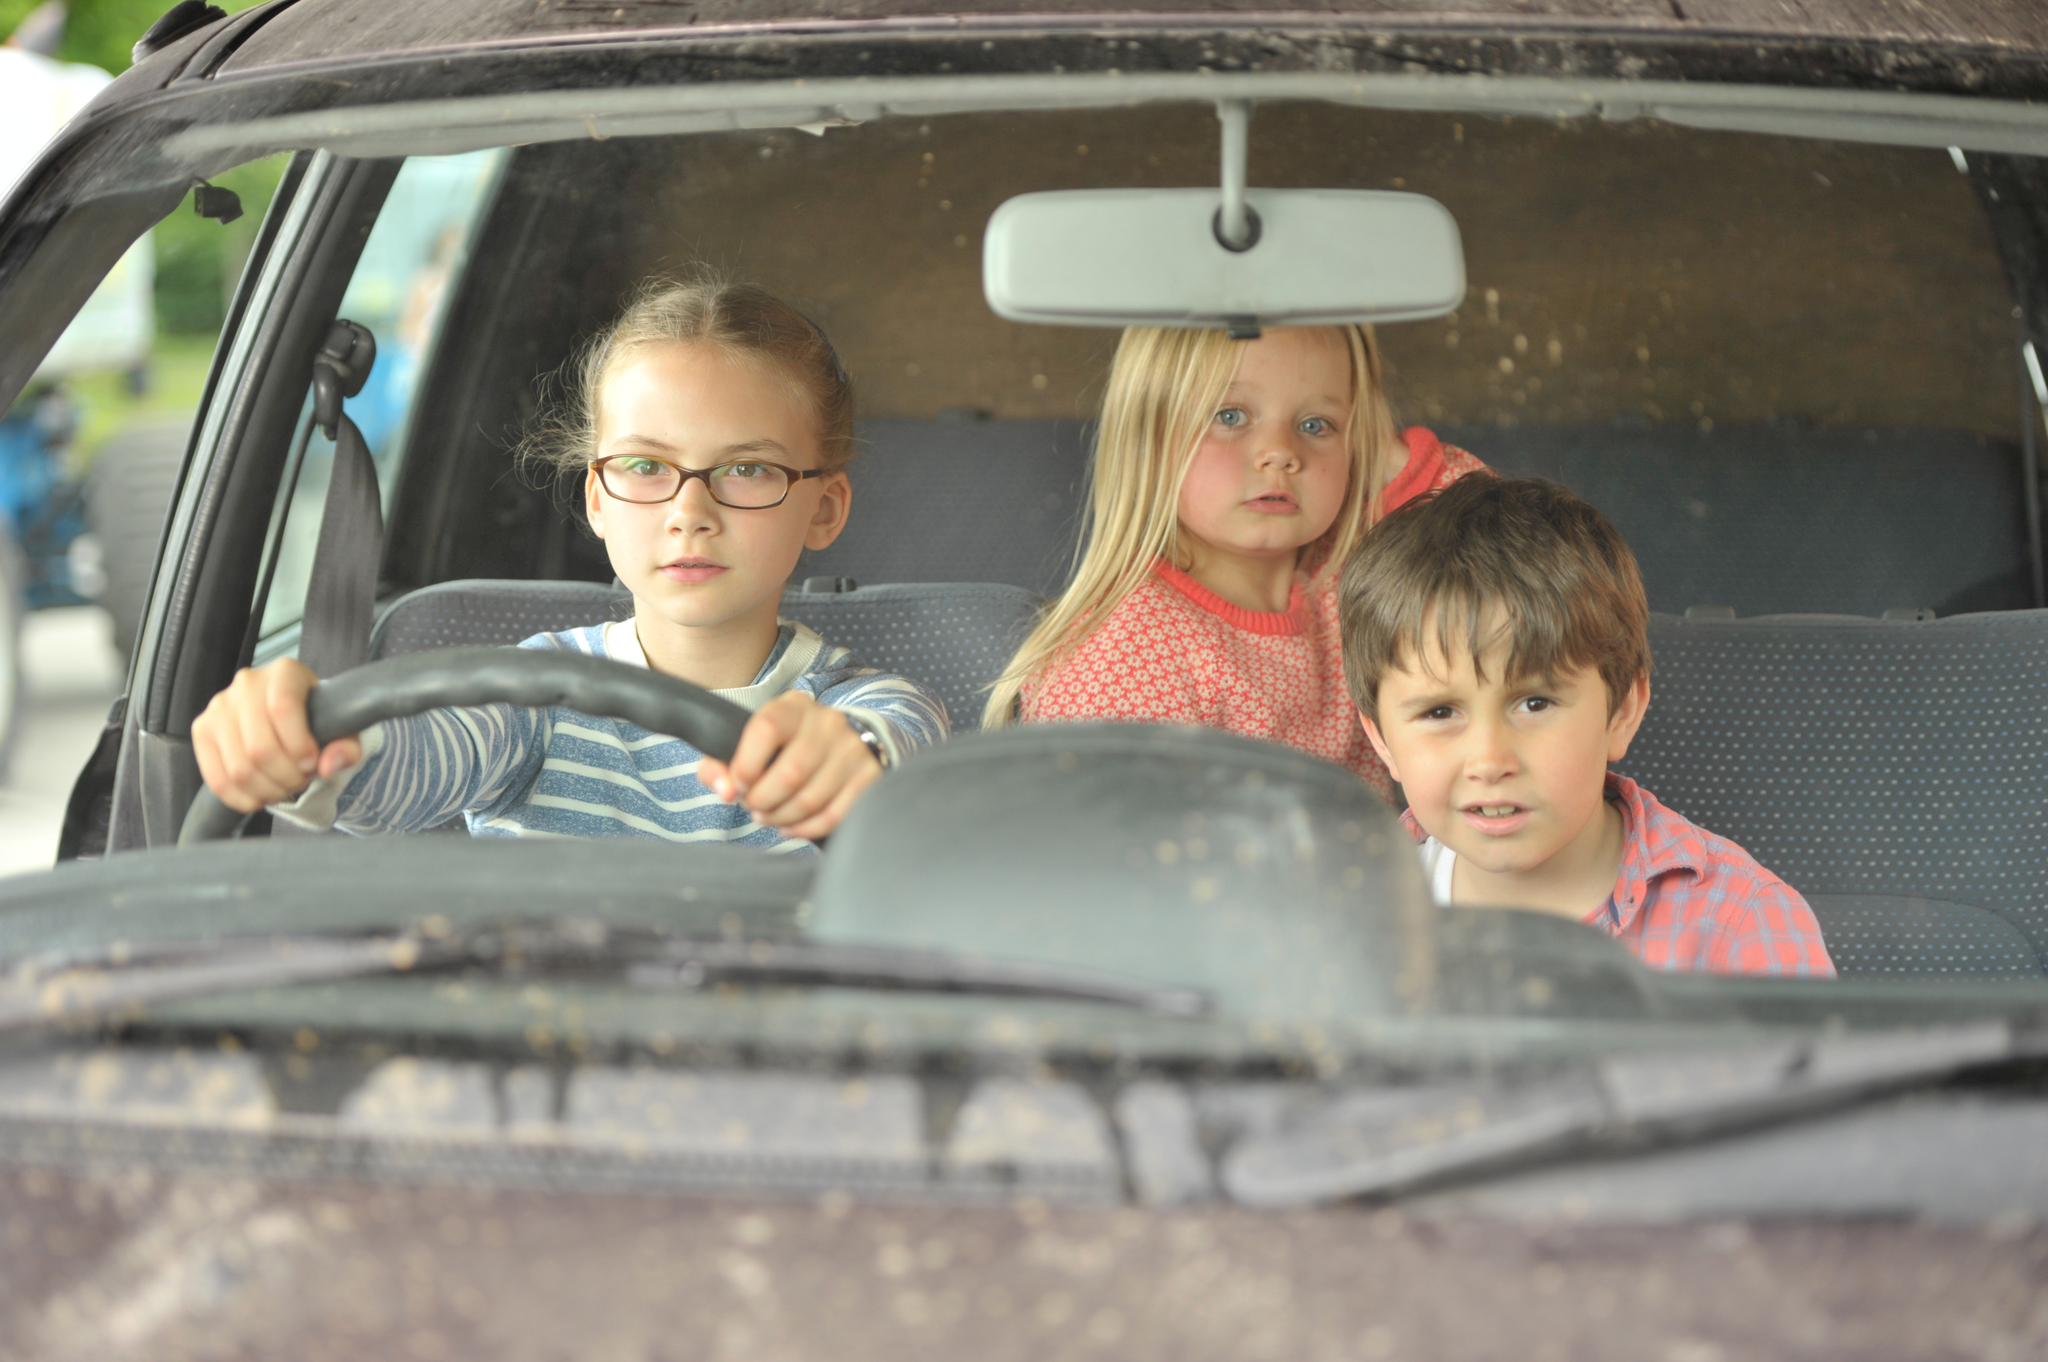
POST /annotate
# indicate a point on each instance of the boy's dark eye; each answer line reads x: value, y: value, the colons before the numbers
x: 1536, y: 704
x: 1439, y: 713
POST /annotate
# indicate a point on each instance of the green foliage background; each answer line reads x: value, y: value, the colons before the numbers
x: 102, y: 31
x: 197, y: 260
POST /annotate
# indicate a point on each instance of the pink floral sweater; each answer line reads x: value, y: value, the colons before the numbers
x: 1177, y: 653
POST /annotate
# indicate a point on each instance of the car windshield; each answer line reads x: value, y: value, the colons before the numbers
x: 1784, y: 367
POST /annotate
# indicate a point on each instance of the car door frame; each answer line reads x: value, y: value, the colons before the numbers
x: 194, y: 627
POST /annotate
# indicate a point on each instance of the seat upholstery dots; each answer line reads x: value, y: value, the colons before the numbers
x: 479, y: 612
x: 1895, y: 773
x: 954, y: 637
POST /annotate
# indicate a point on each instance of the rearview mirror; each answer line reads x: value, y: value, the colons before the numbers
x: 1156, y: 257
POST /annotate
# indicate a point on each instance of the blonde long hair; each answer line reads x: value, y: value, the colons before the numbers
x: 1164, y: 387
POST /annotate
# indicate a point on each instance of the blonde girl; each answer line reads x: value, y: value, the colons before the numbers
x: 1231, y: 479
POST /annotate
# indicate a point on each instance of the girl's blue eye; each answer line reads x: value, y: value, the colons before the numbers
x: 1232, y: 416
x: 1317, y: 425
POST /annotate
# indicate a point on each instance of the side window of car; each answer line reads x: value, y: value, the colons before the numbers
x: 415, y: 253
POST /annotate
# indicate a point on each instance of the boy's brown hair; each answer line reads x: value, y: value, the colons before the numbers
x: 1560, y: 575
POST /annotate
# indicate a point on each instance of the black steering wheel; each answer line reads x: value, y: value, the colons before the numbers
x: 418, y: 682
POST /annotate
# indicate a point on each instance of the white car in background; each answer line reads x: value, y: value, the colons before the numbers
x: 38, y: 96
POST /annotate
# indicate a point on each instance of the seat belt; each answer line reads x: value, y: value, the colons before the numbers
x: 341, y: 593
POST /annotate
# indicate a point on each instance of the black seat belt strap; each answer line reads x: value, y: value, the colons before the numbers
x: 341, y: 595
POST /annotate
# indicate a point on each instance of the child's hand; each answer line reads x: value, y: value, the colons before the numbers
x: 821, y: 767
x: 253, y: 743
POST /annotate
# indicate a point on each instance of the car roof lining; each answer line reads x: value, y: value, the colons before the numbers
x: 442, y: 127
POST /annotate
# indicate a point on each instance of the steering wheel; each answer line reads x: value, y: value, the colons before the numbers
x: 402, y: 686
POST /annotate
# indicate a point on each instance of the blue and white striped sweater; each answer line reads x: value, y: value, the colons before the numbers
x: 515, y: 772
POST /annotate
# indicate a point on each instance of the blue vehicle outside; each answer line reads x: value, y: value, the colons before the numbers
x: 45, y: 507
x: 54, y: 559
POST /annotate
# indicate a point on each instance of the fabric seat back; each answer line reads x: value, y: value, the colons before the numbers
x: 1895, y: 773
x: 954, y: 637
x: 481, y: 611
x: 962, y: 501
x: 1916, y: 518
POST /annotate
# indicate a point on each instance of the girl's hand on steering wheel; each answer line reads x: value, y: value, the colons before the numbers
x: 254, y: 745
x: 821, y: 766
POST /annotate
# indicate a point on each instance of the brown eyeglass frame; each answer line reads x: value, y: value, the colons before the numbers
x: 795, y: 476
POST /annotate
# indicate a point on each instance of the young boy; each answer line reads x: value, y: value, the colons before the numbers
x: 1495, y: 643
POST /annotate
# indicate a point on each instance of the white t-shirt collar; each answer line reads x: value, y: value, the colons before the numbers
x: 622, y: 644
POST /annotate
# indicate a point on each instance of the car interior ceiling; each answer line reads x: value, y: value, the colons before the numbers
x: 1784, y: 367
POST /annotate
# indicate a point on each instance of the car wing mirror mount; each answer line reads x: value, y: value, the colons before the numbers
x: 1241, y: 260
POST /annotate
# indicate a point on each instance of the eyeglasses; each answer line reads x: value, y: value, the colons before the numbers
x: 744, y: 484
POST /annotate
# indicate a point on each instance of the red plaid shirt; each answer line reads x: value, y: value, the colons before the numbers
x: 1688, y: 900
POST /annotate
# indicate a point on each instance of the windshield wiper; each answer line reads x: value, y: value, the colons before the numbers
x: 694, y: 964
x: 72, y: 989
x: 1395, y: 1139
x: 46, y: 991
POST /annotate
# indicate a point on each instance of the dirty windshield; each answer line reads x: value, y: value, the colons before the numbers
x: 1783, y: 369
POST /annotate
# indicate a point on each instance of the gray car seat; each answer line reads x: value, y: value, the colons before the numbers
x: 1891, y: 772
x: 954, y: 637
x: 1895, y: 773
x: 1769, y: 519
x: 1916, y: 518
x: 962, y: 501
x: 482, y: 611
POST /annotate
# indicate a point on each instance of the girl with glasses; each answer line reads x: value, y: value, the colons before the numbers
x: 712, y: 425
